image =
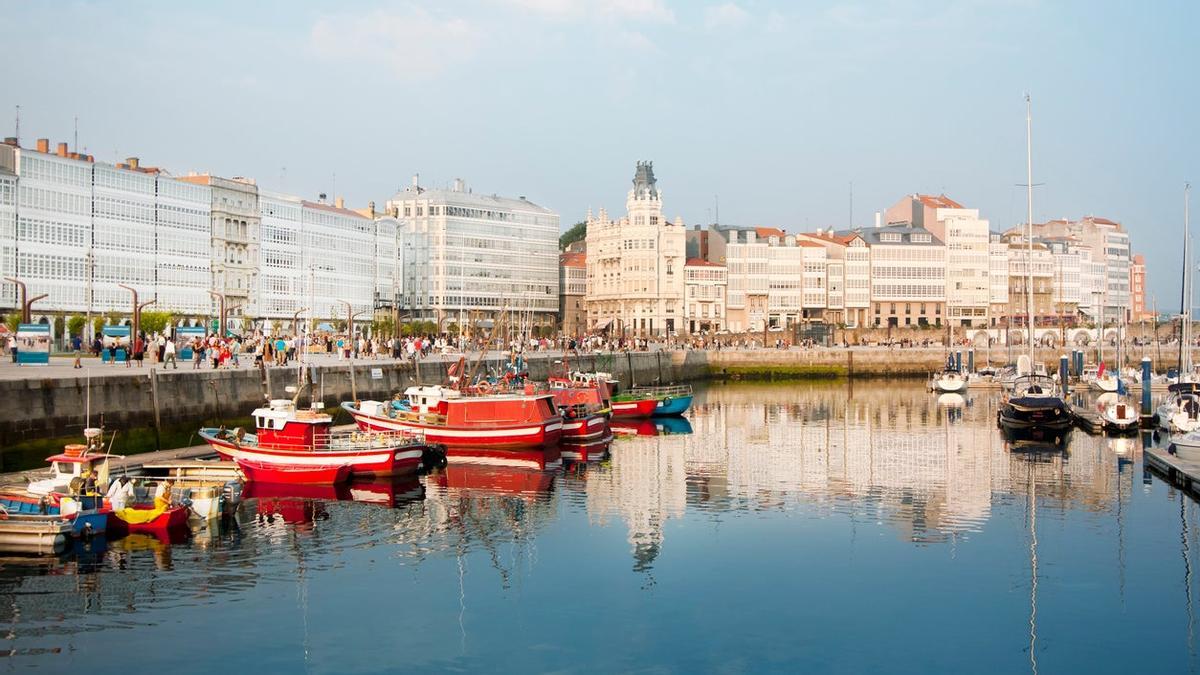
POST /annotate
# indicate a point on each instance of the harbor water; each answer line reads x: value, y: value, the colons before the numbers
x: 837, y: 527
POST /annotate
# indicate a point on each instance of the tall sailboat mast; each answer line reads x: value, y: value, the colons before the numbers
x: 1185, y: 297
x: 1029, y: 223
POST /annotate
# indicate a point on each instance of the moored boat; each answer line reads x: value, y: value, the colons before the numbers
x: 35, y: 534
x: 584, y: 407
x: 266, y: 472
x: 287, y: 437
x: 948, y: 382
x: 1118, y: 415
x: 456, y: 418
x: 150, y: 519
x: 1034, y: 404
x: 1179, y: 413
x: 670, y: 400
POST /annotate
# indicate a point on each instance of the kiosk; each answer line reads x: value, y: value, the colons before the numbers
x: 33, y: 344
x: 183, y: 340
x: 115, y: 336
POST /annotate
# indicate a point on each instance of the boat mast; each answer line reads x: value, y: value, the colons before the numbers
x: 1029, y: 224
x: 1184, y: 309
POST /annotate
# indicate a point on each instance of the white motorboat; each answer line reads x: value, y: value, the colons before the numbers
x: 1187, y: 446
x: 1103, y: 381
x: 1180, y: 412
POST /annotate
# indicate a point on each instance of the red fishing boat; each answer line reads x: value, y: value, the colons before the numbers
x: 290, y: 438
x: 584, y: 407
x: 264, y: 472
x: 476, y: 418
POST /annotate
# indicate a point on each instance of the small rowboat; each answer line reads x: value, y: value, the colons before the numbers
x: 293, y: 474
x: 170, y: 519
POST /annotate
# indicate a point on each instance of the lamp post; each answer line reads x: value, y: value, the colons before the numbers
x: 26, y: 302
x: 296, y: 320
x: 221, y: 312
x: 136, y: 318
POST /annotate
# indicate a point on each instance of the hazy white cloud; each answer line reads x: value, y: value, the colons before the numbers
x: 635, y: 41
x: 727, y: 15
x: 412, y: 41
x: 649, y: 11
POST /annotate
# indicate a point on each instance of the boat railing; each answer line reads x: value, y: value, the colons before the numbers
x: 658, y: 392
x: 344, y: 440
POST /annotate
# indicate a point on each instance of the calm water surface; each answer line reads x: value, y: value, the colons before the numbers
x: 830, y: 528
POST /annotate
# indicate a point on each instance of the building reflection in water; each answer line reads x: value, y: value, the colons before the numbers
x: 929, y: 466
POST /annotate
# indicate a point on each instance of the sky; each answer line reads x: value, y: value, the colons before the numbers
x: 795, y: 115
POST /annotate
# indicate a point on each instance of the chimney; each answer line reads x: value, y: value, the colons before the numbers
x: 132, y: 162
x: 459, y: 185
x: 321, y: 198
x: 43, y: 145
x: 416, y: 179
x: 878, y: 219
x: 371, y: 208
x: 62, y: 150
x: 340, y: 203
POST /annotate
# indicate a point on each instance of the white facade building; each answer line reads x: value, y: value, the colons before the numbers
x: 79, y: 228
x: 908, y: 276
x: 235, y: 241
x: 998, y: 278
x: 635, y: 265
x: 463, y: 253
x: 704, y: 303
x: 966, y: 237
x: 338, y: 255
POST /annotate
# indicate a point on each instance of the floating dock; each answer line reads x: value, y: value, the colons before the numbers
x: 1182, y: 473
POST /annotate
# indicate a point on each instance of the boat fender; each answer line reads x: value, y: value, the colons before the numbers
x: 666, y: 400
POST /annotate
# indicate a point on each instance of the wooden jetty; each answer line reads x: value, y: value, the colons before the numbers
x: 117, y: 465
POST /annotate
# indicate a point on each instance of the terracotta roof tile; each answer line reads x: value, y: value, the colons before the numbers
x: 765, y: 232
x: 939, y: 202
x: 572, y: 259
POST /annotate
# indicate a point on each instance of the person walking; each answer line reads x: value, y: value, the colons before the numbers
x: 169, y: 355
x: 77, y: 346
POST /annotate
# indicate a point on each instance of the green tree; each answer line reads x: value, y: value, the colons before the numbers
x: 12, y: 321
x: 452, y: 328
x: 577, y: 232
x: 155, y: 321
x: 98, y: 324
x: 75, y: 325
x: 383, y: 325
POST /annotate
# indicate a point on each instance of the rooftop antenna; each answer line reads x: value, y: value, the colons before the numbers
x: 851, y: 204
x: 75, y: 144
x: 716, y: 209
x: 18, y: 132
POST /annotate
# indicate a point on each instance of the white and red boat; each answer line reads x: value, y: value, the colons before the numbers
x: 449, y: 416
x: 288, y: 438
x: 584, y: 407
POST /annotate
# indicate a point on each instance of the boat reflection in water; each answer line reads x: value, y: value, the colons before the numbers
x: 656, y: 426
x: 594, y: 451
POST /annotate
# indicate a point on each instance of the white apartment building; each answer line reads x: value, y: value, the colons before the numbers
x: 635, y: 265
x: 339, y: 257
x: 848, y: 277
x: 966, y: 237
x: 908, y: 276
x: 1110, y: 247
x: 8, y: 234
x: 998, y: 278
x: 466, y: 256
x: 1044, y: 310
x: 235, y: 242
x: 747, y: 258
x: 704, y: 301
x: 284, y: 285
x: 83, y: 227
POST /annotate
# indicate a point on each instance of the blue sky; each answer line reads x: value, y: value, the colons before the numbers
x: 776, y: 107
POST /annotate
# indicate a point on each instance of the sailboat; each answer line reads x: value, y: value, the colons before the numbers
x: 1179, y: 413
x: 951, y: 379
x: 1033, y: 404
x: 1101, y: 379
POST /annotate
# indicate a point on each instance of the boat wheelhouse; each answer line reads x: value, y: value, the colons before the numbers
x: 449, y: 416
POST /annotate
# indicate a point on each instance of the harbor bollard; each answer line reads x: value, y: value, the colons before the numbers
x: 1064, y: 375
x: 1146, y: 385
x: 958, y: 361
x: 970, y: 360
x: 1077, y: 357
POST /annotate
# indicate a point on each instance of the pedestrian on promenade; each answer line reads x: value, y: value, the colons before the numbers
x: 139, y: 350
x: 77, y: 345
x: 162, y: 347
x: 112, y: 352
x: 169, y: 355
x: 197, y: 354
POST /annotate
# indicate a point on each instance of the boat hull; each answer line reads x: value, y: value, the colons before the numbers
x: 581, y: 429
x: 34, y: 535
x: 173, y: 519
x: 635, y: 408
x: 265, y: 472
x: 1030, y: 413
x: 375, y: 462
x: 526, y: 435
x: 672, y: 405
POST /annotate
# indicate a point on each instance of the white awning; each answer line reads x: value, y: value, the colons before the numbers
x: 603, y: 324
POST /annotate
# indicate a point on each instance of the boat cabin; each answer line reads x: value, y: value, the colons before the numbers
x: 74, y: 462
x: 430, y: 399
x: 281, y: 424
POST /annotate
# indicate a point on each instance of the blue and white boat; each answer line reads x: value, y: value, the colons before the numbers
x: 672, y: 400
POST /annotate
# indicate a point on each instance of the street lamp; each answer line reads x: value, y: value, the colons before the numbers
x: 26, y: 303
x: 296, y: 320
x: 137, y: 313
x: 221, y: 312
